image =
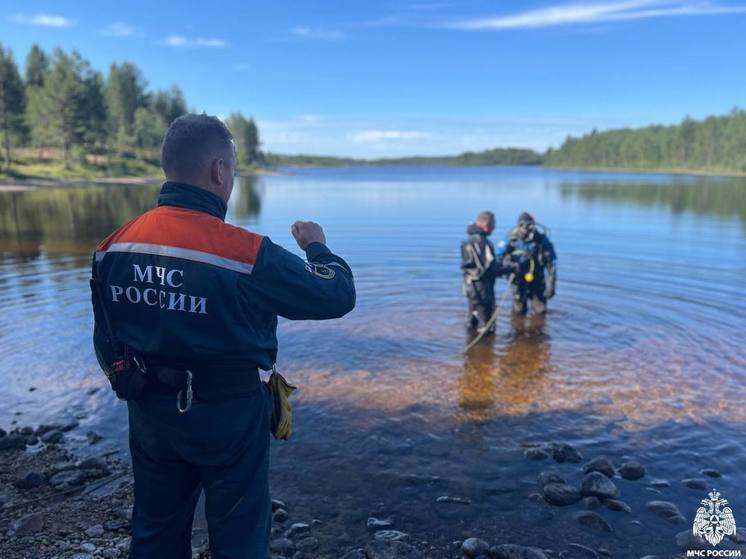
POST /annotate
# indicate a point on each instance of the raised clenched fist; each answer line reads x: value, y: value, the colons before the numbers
x: 307, y: 232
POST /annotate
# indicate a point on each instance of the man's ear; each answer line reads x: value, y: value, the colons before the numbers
x: 217, y: 171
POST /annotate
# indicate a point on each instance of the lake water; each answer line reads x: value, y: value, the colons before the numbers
x: 640, y: 356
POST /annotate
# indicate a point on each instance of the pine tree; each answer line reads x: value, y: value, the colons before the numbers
x: 12, y: 103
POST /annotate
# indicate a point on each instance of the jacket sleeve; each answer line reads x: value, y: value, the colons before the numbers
x: 550, y: 257
x: 319, y: 289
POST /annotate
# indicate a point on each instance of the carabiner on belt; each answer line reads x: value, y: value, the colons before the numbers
x: 180, y: 395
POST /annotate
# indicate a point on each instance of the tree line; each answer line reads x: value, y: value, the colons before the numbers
x: 496, y: 156
x: 61, y: 101
x: 716, y: 144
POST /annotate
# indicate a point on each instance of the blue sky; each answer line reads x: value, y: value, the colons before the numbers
x: 404, y: 77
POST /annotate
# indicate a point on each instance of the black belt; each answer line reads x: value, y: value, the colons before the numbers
x: 201, y: 384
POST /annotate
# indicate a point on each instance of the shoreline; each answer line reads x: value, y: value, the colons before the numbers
x: 36, y: 183
x: 23, y: 184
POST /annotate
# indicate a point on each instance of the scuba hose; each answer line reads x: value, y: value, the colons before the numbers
x: 493, y: 318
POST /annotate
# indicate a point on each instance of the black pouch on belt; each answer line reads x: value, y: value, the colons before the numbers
x: 123, y: 367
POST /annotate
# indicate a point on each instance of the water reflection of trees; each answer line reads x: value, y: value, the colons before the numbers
x: 701, y: 195
x: 246, y: 201
x: 72, y: 220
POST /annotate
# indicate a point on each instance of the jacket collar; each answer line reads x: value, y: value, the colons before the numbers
x: 182, y: 195
x: 475, y: 229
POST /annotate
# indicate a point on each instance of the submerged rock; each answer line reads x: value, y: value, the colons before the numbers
x: 618, y: 506
x: 632, y: 470
x: 592, y: 520
x: 536, y: 453
x: 667, y: 510
x: 561, y: 494
x: 600, y: 464
x: 686, y: 540
x: 472, y: 547
x: 391, y: 549
x: 578, y: 551
x: 283, y: 546
x: 30, y: 481
x: 591, y: 502
x: 390, y: 535
x: 695, y: 483
x: 456, y: 500
x: 563, y: 452
x: 512, y: 551
x: 597, y: 484
x: 378, y: 523
x: 709, y: 472
x: 550, y: 476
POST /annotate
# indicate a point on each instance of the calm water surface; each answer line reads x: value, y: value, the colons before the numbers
x: 641, y: 355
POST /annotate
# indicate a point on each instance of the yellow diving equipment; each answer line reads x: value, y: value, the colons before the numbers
x: 529, y: 276
x: 282, y: 411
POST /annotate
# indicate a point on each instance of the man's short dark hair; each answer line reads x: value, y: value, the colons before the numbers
x: 192, y: 142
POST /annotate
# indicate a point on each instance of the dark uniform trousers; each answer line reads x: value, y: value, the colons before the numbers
x: 524, y: 292
x: 481, y: 298
x: 222, y: 447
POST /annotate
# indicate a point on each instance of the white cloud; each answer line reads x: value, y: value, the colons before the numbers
x: 318, y: 33
x: 179, y: 41
x: 118, y: 29
x: 597, y: 12
x: 43, y: 20
x: 370, y: 136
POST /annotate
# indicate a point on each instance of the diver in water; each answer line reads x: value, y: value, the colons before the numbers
x: 481, y: 268
x: 532, y: 251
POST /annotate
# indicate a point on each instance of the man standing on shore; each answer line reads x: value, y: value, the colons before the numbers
x: 186, y: 311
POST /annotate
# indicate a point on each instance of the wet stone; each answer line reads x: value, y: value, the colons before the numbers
x: 307, y: 544
x: 114, y: 525
x: 355, y: 554
x: 550, y: 476
x: 709, y: 472
x: 592, y: 520
x: 95, y: 531
x: 30, y: 481
x: 632, y: 470
x: 297, y: 528
x: 695, y: 483
x: 453, y: 500
x: 67, y: 478
x: 472, y: 547
x: 659, y: 483
x: 561, y: 494
x: 597, y: 484
x: 390, y: 535
x: 591, y: 502
x: 13, y: 442
x: 88, y: 547
x: 686, y: 540
x: 578, y: 551
x: 92, y: 437
x: 277, y: 504
x: 280, y: 515
x: 283, y: 546
x: 391, y: 549
x: 29, y: 524
x: 666, y: 510
x: 563, y: 452
x: 618, y: 506
x: 536, y: 453
x: 512, y: 551
x: 53, y: 437
x: 600, y: 464
x: 378, y: 523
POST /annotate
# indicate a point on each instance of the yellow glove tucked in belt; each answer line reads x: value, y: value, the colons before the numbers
x: 282, y: 413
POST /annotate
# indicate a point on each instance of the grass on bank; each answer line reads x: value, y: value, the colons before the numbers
x: 49, y: 164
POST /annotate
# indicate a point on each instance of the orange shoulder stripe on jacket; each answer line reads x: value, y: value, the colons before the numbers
x: 190, y: 229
